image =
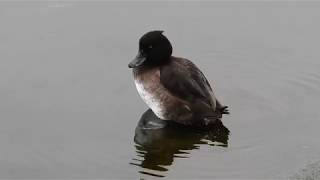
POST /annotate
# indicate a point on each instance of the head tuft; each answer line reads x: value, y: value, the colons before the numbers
x: 156, y: 46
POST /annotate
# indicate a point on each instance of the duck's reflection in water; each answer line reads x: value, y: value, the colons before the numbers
x: 159, y: 142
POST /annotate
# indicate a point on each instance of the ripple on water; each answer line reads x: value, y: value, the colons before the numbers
x: 308, y: 81
x: 312, y: 78
x: 310, y: 172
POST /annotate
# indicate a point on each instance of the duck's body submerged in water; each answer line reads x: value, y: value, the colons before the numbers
x: 174, y: 88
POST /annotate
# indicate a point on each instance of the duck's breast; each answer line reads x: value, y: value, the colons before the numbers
x: 163, y: 103
x: 151, y: 91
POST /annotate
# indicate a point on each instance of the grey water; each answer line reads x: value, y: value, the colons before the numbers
x: 69, y: 107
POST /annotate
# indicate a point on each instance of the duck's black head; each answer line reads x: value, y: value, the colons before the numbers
x: 154, y: 49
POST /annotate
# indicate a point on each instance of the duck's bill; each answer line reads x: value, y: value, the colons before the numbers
x: 137, y: 61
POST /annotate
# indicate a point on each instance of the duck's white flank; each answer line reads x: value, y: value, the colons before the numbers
x: 151, y: 99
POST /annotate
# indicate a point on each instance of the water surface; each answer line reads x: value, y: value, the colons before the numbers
x: 69, y: 107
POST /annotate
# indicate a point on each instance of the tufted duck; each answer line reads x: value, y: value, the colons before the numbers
x: 173, y: 87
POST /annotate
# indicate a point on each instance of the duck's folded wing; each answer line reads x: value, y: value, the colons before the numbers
x: 184, y: 80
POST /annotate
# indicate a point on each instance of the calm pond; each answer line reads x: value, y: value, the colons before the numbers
x: 69, y: 107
